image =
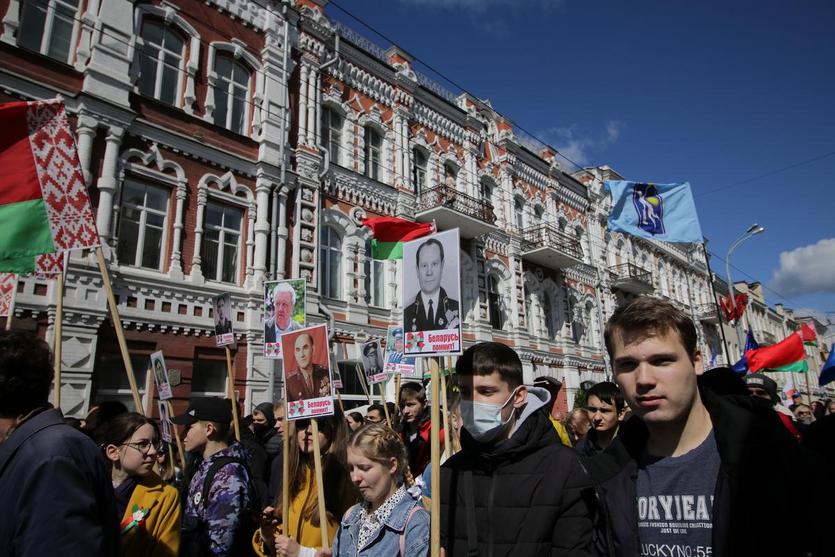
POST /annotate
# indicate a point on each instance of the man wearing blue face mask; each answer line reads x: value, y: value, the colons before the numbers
x: 513, y: 489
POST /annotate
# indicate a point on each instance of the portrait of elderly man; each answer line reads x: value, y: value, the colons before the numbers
x: 372, y: 360
x: 394, y: 351
x: 432, y: 309
x: 308, y: 380
x: 284, y: 305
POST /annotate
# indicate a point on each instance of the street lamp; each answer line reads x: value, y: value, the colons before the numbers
x: 752, y: 231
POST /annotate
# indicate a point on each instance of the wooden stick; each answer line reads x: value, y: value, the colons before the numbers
x: 230, y: 383
x: 385, y: 406
x: 181, y: 452
x: 57, y: 341
x: 10, y: 316
x: 435, y: 522
x: 285, y: 471
x: 447, y: 434
x: 320, y: 488
x: 120, y: 333
x: 397, y: 379
x: 339, y: 400
x: 363, y: 384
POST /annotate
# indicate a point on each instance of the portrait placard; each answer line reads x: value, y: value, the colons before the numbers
x: 161, y: 376
x: 165, y: 424
x: 431, y: 295
x: 336, y: 375
x: 395, y: 361
x: 308, y: 386
x: 284, y: 312
x: 371, y: 354
x: 222, y: 311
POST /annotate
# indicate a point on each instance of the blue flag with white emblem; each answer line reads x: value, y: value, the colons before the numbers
x: 664, y: 212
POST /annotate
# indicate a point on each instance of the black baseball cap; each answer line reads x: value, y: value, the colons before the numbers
x: 209, y: 409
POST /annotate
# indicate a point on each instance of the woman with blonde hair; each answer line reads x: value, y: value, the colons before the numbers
x: 303, y: 532
x: 391, y: 519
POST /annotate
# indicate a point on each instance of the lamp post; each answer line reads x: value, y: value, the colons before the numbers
x: 752, y: 231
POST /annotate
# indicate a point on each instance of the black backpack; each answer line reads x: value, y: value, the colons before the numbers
x: 195, y: 538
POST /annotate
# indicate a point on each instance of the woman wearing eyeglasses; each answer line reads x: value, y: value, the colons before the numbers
x: 303, y: 535
x: 149, y: 509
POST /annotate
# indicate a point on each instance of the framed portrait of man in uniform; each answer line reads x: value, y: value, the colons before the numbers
x: 284, y: 312
x: 431, y: 295
x: 395, y: 361
x: 308, y: 386
x: 371, y: 354
x: 222, y: 311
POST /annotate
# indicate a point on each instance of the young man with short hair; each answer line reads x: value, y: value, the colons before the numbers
x: 606, y: 408
x: 219, y: 494
x: 375, y: 414
x: 514, y: 488
x: 701, y: 471
x: 55, y: 486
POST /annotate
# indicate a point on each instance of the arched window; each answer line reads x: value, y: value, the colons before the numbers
x: 486, y: 192
x: 330, y: 263
x: 548, y: 315
x: 375, y: 293
x: 419, y: 164
x: 494, y: 302
x: 538, y: 213
x: 160, y: 62
x: 47, y: 26
x: 332, y: 132
x: 231, y: 93
x: 142, y: 225
x: 222, y: 242
x: 519, y: 210
x: 450, y: 175
x: 373, y: 153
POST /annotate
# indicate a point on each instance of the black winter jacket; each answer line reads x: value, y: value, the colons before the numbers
x: 762, y: 468
x: 527, y: 496
x: 55, y: 492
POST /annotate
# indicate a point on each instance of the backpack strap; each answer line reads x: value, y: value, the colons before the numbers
x: 409, y: 516
x: 218, y: 463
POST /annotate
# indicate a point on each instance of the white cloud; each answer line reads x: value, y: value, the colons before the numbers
x: 580, y: 149
x: 807, y: 270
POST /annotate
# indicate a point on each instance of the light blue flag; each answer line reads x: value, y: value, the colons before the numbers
x: 657, y: 211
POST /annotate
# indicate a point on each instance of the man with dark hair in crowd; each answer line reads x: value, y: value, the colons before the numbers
x: 699, y: 470
x: 375, y: 414
x: 55, y: 487
x: 764, y: 388
x: 416, y: 425
x: 513, y: 489
x: 606, y: 408
x: 219, y: 493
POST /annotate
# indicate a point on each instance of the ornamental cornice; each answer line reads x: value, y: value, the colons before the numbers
x: 438, y: 123
x: 585, y: 274
x: 497, y: 242
x: 363, y: 81
x: 571, y: 198
x: 360, y: 191
x: 251, y: 14
x: 530, y: 175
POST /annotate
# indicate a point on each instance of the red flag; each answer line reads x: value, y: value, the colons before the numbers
x: 733, y: 310
x: 808, y: 334
x: 785, y: 352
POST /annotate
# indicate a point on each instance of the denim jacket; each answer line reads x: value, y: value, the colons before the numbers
x: 385, y: 542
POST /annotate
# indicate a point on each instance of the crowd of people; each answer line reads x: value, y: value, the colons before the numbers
x: 666, y: 459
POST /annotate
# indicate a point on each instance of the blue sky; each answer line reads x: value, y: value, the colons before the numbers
x: 715, y: 93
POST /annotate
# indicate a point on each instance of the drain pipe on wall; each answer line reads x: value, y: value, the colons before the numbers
x: 275, y: 268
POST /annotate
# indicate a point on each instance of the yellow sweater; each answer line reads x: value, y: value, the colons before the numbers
x: 300, y: 529
x: 151, y: 524
x: 560, y: 431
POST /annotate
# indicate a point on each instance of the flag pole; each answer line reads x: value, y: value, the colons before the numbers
x: 10, y: 316
x: 385, y: 406
x: 320, y: 489
x: 230, y: 384
x: 435, y: 440
x: 120, y: 333
x: 716, y: 303
x: 57, y: 339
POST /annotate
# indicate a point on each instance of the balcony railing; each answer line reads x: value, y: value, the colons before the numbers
x: 707, y: 313
x: 546, y: 245
x: 445, y: 196
x: 631, y: 278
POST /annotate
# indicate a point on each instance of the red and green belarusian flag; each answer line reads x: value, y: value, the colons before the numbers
x: 808, y: 334
x: 391, y: 232
x: 44, y: 207
x: 786, y: 355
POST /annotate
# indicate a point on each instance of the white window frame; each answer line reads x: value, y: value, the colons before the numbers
x: 160, y: 60
x: 49, y: 21
x: 255, y: 93
x: 374, y: 268
x: 137, y: 262
x: 373, y: 165
x: 218, y: 271
x: 326, y: 271
x: 419, y: 182
x: 330, y: 130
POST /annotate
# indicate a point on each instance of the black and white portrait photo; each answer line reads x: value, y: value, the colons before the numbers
x: 372, y: 361
x: 431, y: 295
x: 222, y: 311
